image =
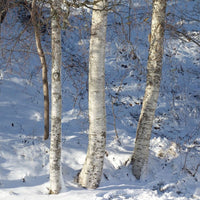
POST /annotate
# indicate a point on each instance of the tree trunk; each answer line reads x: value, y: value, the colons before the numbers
x: 56, y: 98
x: 44, y: 68
x: 154, y: 71
x: 90, y: 175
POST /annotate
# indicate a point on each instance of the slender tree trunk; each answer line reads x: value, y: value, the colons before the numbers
x: 129, y: 19
x: 41, y: 54
x: 154, y: 71
x: 90, y: 176
x: 56, y: 98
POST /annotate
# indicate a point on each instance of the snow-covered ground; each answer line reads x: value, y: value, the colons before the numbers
x: 173, y: 171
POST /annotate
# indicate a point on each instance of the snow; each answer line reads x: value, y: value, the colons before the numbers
x: 173, y: 170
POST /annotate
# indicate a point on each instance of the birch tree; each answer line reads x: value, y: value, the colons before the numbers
x: 56, y: 98
x: 154, y: 70
x: 90, y: 175
x: 41, y: 54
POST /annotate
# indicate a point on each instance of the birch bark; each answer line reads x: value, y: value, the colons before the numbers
x: 90, y: 175
x: 56, y: 107
x: 154, y: 71
x: 44, y: 68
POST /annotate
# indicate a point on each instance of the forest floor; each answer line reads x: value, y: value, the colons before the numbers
x: 173, y: 170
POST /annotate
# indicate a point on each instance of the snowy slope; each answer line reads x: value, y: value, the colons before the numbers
x: 173, y: 171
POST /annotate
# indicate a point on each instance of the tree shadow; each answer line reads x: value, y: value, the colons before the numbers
x: 29, y: 181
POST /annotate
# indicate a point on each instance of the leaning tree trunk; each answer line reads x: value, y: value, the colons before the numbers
x: 90, y: 175
x: 154, y: 71
x: 41, y: 54
x: 56, y: 107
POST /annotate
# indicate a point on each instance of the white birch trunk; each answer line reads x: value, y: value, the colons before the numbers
x: 154, y: 71
x: 90, y: 176
x: 56, y: 107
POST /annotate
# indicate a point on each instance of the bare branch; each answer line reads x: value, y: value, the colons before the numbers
x: 185, y: 35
